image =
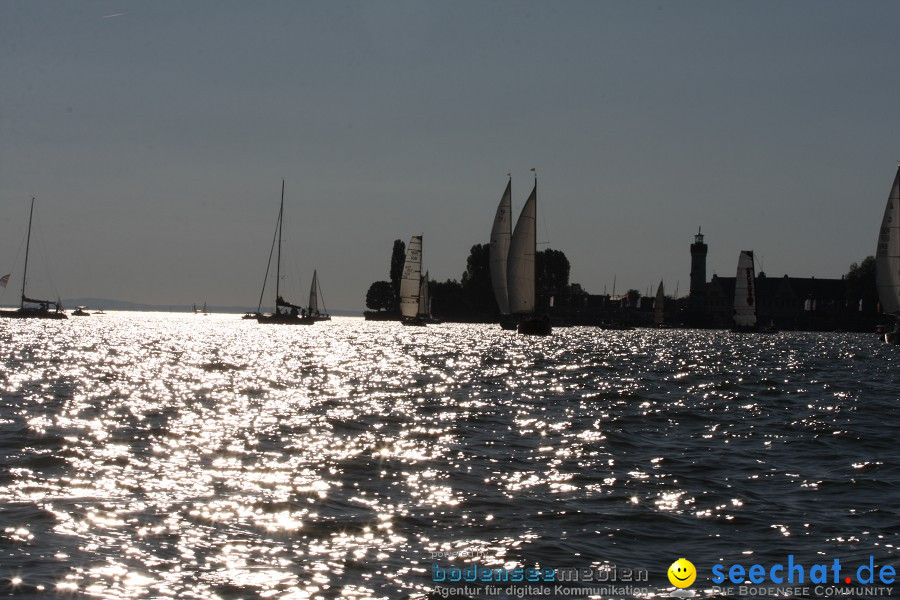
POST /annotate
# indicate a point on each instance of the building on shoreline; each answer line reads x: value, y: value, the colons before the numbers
x: 785, y: 303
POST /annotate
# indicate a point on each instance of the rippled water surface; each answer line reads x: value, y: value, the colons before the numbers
x: 162, y: 455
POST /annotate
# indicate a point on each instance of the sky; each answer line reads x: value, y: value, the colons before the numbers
x: 155, y: 135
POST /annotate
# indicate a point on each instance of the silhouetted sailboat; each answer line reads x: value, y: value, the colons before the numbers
x: 887, y: 261
x: 285, y: 312
x: 313, y: 309
x: 746, y: 298
x: 411, y: 284
x: 40, y: 308
x: 745, y: 293
x: 521, y: 274
x: 501, y: 234
x: 659, y: 306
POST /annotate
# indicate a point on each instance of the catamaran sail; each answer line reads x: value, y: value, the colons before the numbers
x: 745, y: 292
x: 658, y: 305
x: 501, y: 233
x: 887, y: 254
x: 411, y: 280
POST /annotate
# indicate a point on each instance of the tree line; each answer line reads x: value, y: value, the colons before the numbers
x: 471, y: 298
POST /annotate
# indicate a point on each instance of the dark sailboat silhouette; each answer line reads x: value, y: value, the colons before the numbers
x: 315, y: 291
x: 285, y: 312
x: 887, y: 262
x: 36, y: 309
x: 411, y: 308
x: 501, y: 234
x: 521, y: 272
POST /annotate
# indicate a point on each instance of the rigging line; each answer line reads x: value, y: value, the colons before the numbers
x: 295, y: 282
x: 546, y: 228
x: 43, y: 248
x: 544, y: 221
x: 13, y: 269
x: 268, y: 265
x: 321, y: 297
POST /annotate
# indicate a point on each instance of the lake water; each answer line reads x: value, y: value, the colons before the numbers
x: 147, y: 455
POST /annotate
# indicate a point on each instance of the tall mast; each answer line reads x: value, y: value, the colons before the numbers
x: 421, y: 262
x: 510, y: 206
x: 278, y: 264
x: 27, y: 245
x: 420, y: 313
x: 534, y: 230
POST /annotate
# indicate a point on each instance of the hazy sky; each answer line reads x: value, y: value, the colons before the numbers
x: 155, y: 136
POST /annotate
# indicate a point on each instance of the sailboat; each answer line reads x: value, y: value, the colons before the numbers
x: 521, y: 271
x: 745, y: 293
x: 659, y: 311
x: 41, y: 310
x: 313, y: 309
x: 887, y: 261
x: 411, y: 284
x: 285, y: 312
x: 501, y: 234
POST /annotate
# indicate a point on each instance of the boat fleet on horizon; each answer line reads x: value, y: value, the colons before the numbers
x: 285, y: 312
x: 513, y: 253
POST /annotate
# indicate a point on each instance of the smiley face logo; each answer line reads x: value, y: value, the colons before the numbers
x: 682, y: 573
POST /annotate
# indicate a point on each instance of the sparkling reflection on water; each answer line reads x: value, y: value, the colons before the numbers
x: 165, y: 455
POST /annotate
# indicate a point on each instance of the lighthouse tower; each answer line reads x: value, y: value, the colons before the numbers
x: 698, y: 279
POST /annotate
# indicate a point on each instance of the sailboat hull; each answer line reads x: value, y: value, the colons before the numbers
x: 535, y: 326
x: 32, y: 313
x: 508, y: 323
x: 750, y: 329
x: 275, y: 319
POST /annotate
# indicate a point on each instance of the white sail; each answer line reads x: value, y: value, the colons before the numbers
x: 411, y: 279
x: 745, y: 291
x: 501, y: 233
x: 658, y: 305
x: 520, y: 267
x: 313, y: 295
x: 424, y: 300
x: 887, y: 254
